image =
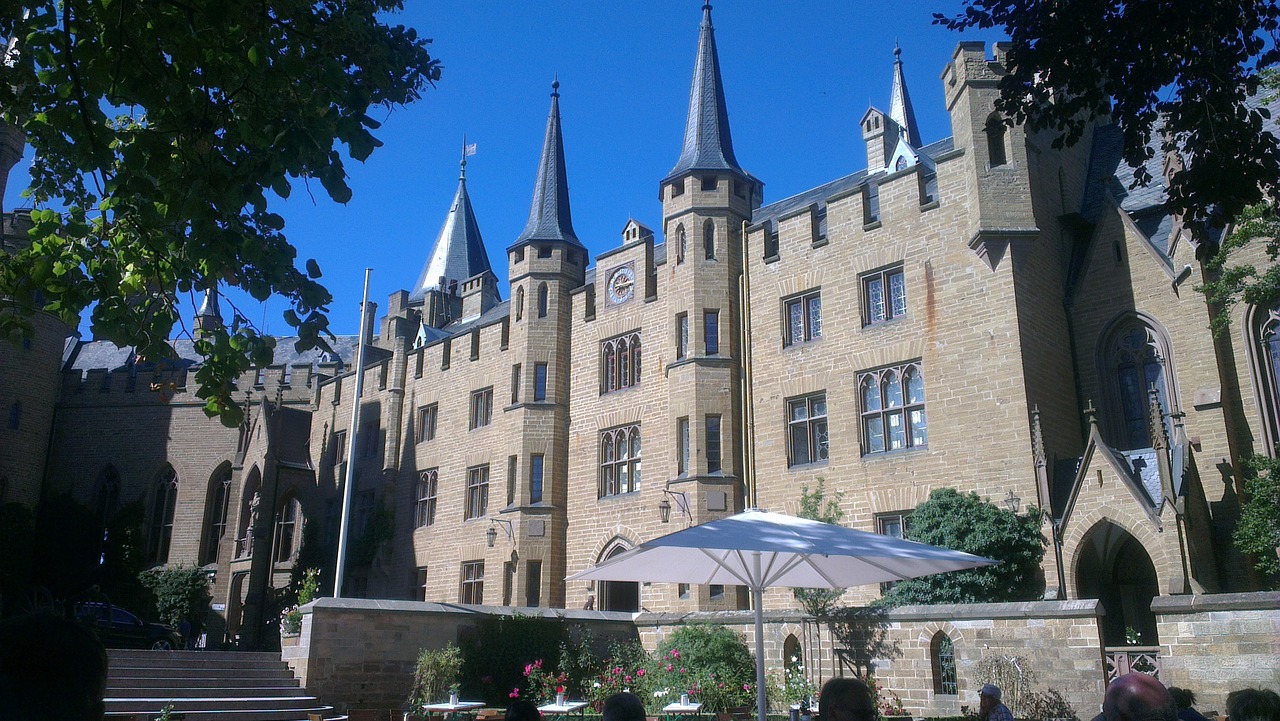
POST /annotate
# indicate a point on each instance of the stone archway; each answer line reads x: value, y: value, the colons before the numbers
x: 1113, y: 567
x: 618, y: 595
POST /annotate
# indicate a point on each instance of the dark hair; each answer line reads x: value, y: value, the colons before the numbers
x: 36, y: 652
x: 843, y: 691
x: 523, y: 710
x: 1185, y: 698
x: 1253, y: 704
x: 623, y: 706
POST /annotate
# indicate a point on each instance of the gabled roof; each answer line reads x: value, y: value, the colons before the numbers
x: 459, y: 252
x: 707, y: 144
x: 549, y: 215
x: 1138, y: 470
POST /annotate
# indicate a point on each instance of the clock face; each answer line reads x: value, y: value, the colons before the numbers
x: 622, y: 284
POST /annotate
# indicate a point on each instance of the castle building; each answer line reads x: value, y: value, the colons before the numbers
x: 983, y: 312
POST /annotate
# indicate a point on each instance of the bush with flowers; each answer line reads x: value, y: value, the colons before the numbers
x: 888, y: 703
x: 542, y: 685
x: 796, y: 686
x: 291, y: 617
x: 711, y: 663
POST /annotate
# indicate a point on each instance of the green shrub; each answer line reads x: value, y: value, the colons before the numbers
x: 1047, y: 704
x: 434, y: 674
x: 181, y: 592
x: 717, y: 661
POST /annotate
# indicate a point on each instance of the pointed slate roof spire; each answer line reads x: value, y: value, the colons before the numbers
x: 209, y: 316
x: 900, y: 103
x: 707, y: 145
x: 459, y: 251
x: 549, y: 215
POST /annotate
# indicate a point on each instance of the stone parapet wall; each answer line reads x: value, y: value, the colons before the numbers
x: 1215, y: 644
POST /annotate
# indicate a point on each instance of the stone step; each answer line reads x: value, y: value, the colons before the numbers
x: 173, y: 659
x: 180, y: 672
x: 142, y: 682
x: 236, y: 689
x: 137, y: 704
x: 299, y: 714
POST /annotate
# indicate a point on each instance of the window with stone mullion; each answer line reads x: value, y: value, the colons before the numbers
x: 621, y: 359
x: 477, y: 492
x: 619, y: 460
x: 893, y: 413
x: 807, y: 429
x: 425, y: 514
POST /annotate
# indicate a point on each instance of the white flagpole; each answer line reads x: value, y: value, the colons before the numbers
x: 349, y: 482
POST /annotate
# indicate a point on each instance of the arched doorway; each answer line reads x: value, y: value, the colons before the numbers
x: 1114, y: 568
x: 618, y: 595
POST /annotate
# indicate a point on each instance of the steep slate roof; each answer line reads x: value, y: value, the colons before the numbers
x: 459, y: 252
x: 707, y: 144
x: 549, y: 215
x: 900, y: 103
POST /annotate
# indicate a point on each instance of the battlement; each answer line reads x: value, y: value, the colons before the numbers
x: 133, y: 385
x: 969, y: 67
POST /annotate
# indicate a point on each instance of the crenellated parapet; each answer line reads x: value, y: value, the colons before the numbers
x: 293, y: 384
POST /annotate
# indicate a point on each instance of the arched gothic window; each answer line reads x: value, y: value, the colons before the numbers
x: 893, y: 414
x: 1264, y: 358
x: 542, y: 300
x: 619, y: 460
x: 942, y: 657
x: 995, y: 131
x: 217, y: 500
x: 164, y: 500
x: 621, y: 358
x: 1136, y: 360
x: 709, y: 240
x: 618, y: 595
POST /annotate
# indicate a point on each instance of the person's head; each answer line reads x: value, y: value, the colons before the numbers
x: 1182, y: 697
x: 988, y: 696
x: 1253, y: 704
x: 523, y: 710
x: 51, y: 667
x: 623, y: 706
x: 1138, y: 697
x: 845, y: 699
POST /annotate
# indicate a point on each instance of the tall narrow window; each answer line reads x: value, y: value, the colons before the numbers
x: 807, y: 429
x: 870, y: 203
x: 535, y: 478
x: 511, y: 479
x: 164, y: 500
x: 217, y: 502
x: 619, y: 460
x: 995, y: 141
x: 426, y: 430
x: 1137, y: 356
x: 477, y: 492
x: 369, y: 439
x: 681, y: 243
x: 621, y: 358
x: 713, y: 444
x: 287, y: 528
x: 711, y: 331
x: 472, y: 590
x: 425, y: 510
x: 520, y: 303
x: 420, y: 584
x: 533, y: 584
x: 942, y: 656
x: 339, y: 448
x: 542, y: 300
x: 515, y: 383
x: 803, y: 316
x: 682, y: 335
x: 893, y: 416
x: 481, y: 407
x: 709, y: 240
x: 884, y: 295
x: 539, y: 381
x: 682, y: 446
x: 107, y: 495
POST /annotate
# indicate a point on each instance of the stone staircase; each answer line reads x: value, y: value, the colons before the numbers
x: 206, y: 686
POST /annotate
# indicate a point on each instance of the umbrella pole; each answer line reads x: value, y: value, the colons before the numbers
x: 757, y: 599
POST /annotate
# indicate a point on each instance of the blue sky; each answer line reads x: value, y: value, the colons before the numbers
x: 798, y: 76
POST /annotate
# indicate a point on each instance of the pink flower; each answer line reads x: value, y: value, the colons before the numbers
x: 675, y: 653
x: 515, y: 693
x: 626, y: 679
x: 528, y: 669
x: 683, y: 669
x: 670, y: 667
x: 640, y: 673
x: 746, y: 687
x: 559, y: 689
x: 616, y: 670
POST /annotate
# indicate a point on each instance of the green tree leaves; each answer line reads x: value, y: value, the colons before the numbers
x: 1258, y: 532
x: 158, y: 129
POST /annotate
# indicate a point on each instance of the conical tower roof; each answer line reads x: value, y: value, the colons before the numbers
x: 900, y: 103
x: 459, y: 251
x: 549, y: 215
x: 707, y: 145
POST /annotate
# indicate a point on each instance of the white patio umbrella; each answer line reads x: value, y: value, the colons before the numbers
x: 759, y: 550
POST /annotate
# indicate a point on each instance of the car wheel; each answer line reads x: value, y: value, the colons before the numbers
x: 162, y: 645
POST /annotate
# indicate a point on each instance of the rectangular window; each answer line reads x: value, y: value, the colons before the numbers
x: 771, y: 243
x: 803, y: 317
x: 533, y: 584
x: 475, y: 344
x: 619, y: 460
x: 682, y: 446
x: 539, y: 381
x: 535, y: 478
x: 364, y: 512
x: 425, y: 514
x: 620, y: 357
x: 892, y: 408
x: 711, y: 331
x: 716, y: 591
x: 894, y: 524
x: 369, y: 439
x: 481, y: 407
x: 807, y: 429
x: 420, y: 584
x: 446, y: 353
x: 884, y: 295
x: 339, y: 452
x: 515, y: 383
x: 682, y: 335
x: 426, y: 430
x: 870, y: 203
x: 508, y: 580
x: 511, y: 480
x: 544, y: 251
x: 472, y: 582
x: 682, y: 590
x: 477, y: 492
x: 713, y: 444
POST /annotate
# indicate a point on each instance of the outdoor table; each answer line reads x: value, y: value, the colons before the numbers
x: 563, y: 711
x: 456, y: 711
x: 682, y: 711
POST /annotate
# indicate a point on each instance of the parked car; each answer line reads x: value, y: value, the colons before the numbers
x: 118, y: 628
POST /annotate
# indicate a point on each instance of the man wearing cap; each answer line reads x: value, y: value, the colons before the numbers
x: 989, y: 706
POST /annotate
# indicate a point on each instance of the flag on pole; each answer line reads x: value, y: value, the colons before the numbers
x: 469, y: 149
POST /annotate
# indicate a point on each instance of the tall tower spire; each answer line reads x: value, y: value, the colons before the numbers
x: 458, y: 253
x: 209, y: 317
x: 707, y: 145
x: 549, y: 215
x: 900, y: 102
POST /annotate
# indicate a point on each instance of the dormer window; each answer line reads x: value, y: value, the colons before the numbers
x: 709, y: 182
x: 544, y: 251
x: 677, y: 189
x: 519, y: 255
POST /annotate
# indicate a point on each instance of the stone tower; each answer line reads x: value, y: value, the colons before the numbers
x: 545, y: 263
x: 706, y: 199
